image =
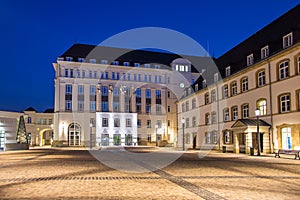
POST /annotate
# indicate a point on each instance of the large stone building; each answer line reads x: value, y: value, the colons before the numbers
x: 261, y: 72
x: 110, y: 96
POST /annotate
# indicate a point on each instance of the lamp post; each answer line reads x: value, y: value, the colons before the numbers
x: 183, y: 121
x: 156, y: 127
x: 257, y: 114
x: 91, y: 139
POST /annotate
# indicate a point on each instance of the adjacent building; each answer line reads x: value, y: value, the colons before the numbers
x: 260, y: 73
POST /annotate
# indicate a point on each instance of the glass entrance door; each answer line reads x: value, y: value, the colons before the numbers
x: 286, y: 138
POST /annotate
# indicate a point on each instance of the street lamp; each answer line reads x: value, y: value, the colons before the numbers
x: 156, y: 127
x: 91, y: 139
x: 183, y: 121
x: 257, y: 114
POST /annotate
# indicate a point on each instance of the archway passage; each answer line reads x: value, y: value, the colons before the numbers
x: 74, y: 135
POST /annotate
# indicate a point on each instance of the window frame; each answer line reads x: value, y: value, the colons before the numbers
x: 245, y: 110
x: 287, y: 104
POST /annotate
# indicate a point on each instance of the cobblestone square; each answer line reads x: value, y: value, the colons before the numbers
x: 67, y: 173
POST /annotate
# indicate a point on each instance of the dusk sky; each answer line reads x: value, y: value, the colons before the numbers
x: 34, y: 33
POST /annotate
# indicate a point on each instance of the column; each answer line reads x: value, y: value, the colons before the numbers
x: 248, y: 144
x: 122, y: 99
x: 98, y: 98
x: 110, y: 98
x: 133, y: 100
x: 236, y: 145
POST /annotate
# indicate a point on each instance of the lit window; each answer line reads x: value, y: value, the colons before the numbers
x: 262, y: 106
x: 264, y: 52
x: 285, y: 104
x: 207, y: 138
x: 287, y: 40
x: 245, y: 111
x: 92, y: 90
x: 104, y: 105
x: 215, y: 137
x: 227, y: 137
x: 261, y: 79
x: 204, y: 84
x: 92, y: 106
x: 250, y: 60
x: 227, y: 71
x: 245, y: 84
x: 104, y: 90
x: 29, y: 120
x: 283, y: 70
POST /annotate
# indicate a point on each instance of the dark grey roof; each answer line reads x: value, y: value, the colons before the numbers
x: 49, y: 110
x: 132, y: 56
x: 270, y: 35
x: 30, y: 109
x: 251, y: 122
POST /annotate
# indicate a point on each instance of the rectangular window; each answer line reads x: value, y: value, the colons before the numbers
x: 44, y: 121
x: 207, y: 118
x: 157, y: 66
x: 169, y: 124
x: 169, y: 109
x: 194, y: 122
x: 244, y: 84
x: 285, y: 104
x: 148, y: 123
x: 148, y: 93
x: 66, y: 72
x: 226, y: 114
x: 93, y: 122
x: 227, y: 71
x: 225, y: 91
x: 92, y: 90
x: 126, y: 64
x: 150, y: 79
x: 149, y: 137
x: 104, y: 105
x: 147, y: 65
x: 116, y: 122
x: 207, y: 138
x: 106, y: 75
x: 78, y: 73
x: 216, y: 77
x: 104, y: 91
x: 233, y: 89
x: 68, y: 105
x: 139, y: 122
x: 206, y: 100
x: 95, y: 74
x: 128, y: 77
x: 134, y: 77
x: 264, y: 52
x: 245, y: 111
x: 104, y: 122
x: 227, y: 137
x: 90, y: 74
x: 215, y: 137
x: 29, y: 120
x: 92, y: 60
x: 113, y: 76
x: 81, y: 106
x: 214, y: 118
x: 80, y: 90
x: 158, y: 123
x: 196, y: 87
x: 83, y: 74
x: 128, y: 123
x: 213, y: 96
x: 284, y: 70
x: 187, y: 122
x: 261, y: 80
x: 148, y: 108
x: 235, y: 113
x: 50, y: 121
x: 136, y: 64
x: 115, y: 62
x: 71, y: 73
x: 92, y: 106
x: 68, y: 89
x: 158, y: 109
x: 250, y: 60
x: 69, y: 58
x: 287, y: 40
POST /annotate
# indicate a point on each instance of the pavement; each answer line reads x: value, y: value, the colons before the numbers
x: 74, y: 173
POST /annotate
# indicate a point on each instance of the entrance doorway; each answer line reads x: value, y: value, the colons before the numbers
x: 194, y: 141
x: 74, y: 135
x: 286, y: 138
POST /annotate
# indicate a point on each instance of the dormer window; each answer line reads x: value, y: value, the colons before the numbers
x: 227, y: 71
x: 92, y: 60
x: 126, y: 64
x: 136, y: 64
x: 60, y: 58
x: 69, y: 58
x: 115, y: 62
x: 216, y: 77
x: 196, y: 87
x: 157, y: 66
x: 288, y: 40
x: 81, y: 60
x: 104, y: 62
x: 147, y: 65
x: 250, y: 60
x: 264, y: 52
x: 204, y: 84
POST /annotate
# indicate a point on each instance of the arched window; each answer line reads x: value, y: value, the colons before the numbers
x: 207, y: 118
x: 206, y: 98
x: 262, y: 106
x: 74, y: 135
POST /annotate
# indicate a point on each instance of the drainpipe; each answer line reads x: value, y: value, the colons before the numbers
x: 271, y: 108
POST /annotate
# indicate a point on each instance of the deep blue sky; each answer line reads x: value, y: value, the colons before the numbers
x: 34, y: 33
